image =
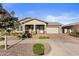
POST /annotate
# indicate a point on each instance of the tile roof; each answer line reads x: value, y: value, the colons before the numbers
x: 54, y: 23
x: 27, y: 19
x: 30, y: 19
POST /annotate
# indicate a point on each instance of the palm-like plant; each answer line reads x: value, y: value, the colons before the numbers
x: 7, y: 21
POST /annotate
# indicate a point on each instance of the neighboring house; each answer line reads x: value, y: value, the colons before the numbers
x: 39, y: 26
x: 71, y: 28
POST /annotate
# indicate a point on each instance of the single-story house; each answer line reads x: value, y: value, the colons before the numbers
x: 71, y: 27
x: 39, y: 26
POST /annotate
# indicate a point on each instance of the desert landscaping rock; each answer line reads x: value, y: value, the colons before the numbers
x: 57, y: 45
x: 22, y: 50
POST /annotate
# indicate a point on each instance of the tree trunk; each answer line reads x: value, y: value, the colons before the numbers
x: 5, y: 41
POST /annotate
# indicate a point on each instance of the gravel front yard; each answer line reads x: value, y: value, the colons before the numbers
x: 22, y: 50
x: 57, y: 45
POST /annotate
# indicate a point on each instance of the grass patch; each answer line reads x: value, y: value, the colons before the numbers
x: 43, y: 37
x: 38, y: 49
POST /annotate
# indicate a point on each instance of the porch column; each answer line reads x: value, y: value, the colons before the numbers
x: 70, y: 30
x: 65, y: 30
x: 34, y: 27
x: 60, y: 29
x: 23, y: 28
x: 45, y: 28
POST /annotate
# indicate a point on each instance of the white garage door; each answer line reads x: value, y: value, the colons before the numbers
x: 52, y: 30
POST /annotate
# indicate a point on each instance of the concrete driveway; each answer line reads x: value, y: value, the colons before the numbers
x: 63, y: 45
x: 61, y: 48
x: 63, y: 38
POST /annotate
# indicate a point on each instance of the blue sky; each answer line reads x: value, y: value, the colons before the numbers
x: 52, y: 12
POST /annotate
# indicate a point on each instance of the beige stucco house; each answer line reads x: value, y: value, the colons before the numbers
x: 71, y: 27
x: 39, y: 26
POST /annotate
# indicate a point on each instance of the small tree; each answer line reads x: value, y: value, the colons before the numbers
x: 7, y: 21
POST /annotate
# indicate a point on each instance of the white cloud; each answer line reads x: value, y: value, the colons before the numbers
x: 50, y: 18
x: 62, y: 17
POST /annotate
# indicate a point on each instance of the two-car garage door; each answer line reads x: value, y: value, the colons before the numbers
x: 52, y: 30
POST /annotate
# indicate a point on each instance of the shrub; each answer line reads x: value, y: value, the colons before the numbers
x: 8, y: 32
x: 2, y: 38
x: 29, y: 35
x: 16, y: 33
x: 24, y: 36
x: 38, y: 49
x: 2, y: 46
x: 75, y: 34
x: 19, y: 36
x: 43, y: 37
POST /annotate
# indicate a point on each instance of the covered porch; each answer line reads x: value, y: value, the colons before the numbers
x: 35, y: 28
x: 67, y: 29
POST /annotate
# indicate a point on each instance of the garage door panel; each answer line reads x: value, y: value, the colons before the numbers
x: 52, y: 30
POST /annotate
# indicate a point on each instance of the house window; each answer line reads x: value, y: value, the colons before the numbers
x: 17, y: 28
x: 21, y: 28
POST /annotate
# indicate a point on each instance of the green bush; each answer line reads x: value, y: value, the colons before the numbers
x: 38, y: 49
x: 2, y: 38
x: 29, y: 35
x: 8, y: 32
x: 16, y: 34
x: 43, y: 37
x: 24, y: 36
x: 75, y: 34
x: 2, y: 46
